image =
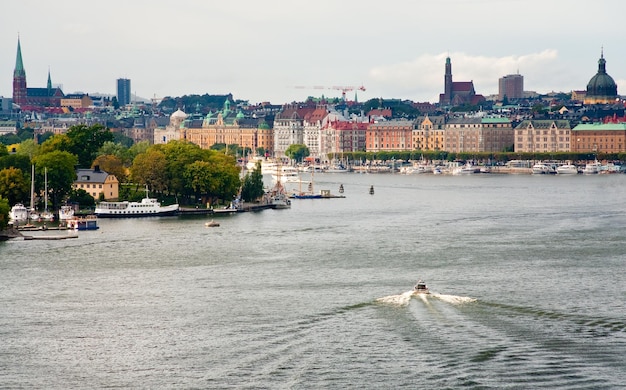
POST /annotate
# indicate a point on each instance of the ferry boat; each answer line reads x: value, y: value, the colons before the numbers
x: 148, y: 207
x: 421, y: 288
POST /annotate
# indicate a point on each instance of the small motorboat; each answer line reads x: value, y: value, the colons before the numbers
x: 421, y: 288
x: 211, y: 223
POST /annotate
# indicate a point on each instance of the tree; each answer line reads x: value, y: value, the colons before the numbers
x: 85, y: 142
x: 111, y: 165
x: 81, y: 197
x: 118, y: 150
x: 4, y: 213
x: 60, y: 142
x: 14, y: 185
x: 297, y: 152
x: 252, y: 188
x: 61, y: 174
x: 149, y: 169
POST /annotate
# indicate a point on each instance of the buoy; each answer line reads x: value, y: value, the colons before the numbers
x: 341, y: 188
x: 372, y: 190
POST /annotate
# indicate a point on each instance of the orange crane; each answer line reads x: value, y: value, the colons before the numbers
x: 343, y: 89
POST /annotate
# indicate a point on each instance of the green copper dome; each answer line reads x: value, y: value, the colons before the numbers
x: 602, y: 85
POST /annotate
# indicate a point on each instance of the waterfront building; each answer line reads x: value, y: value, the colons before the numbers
x: 97, y: 183
x: 230, y: 128
x: 458, y: 93
x: 511, y: 86
x: 313, y: 123
x: 487, y: 134
x: 601, y: 89
x: 543, y: 136
x: 389, y: 135
x: 289, y: 127
x: 339, y: 136
x: 32, y: 98
x: 172, y: 131
x: 429, y: 133
x: 123, y: 92
x: 599, y: 138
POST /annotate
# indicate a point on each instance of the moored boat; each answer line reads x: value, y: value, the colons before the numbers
x: 89, y: 222
x: 567, y: 169
x: 148, y: 207
x: 19, y: 213
x: 592, y: 168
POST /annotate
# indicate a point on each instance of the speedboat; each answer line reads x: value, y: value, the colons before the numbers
x: 567, y: 169
x: 421, y: 288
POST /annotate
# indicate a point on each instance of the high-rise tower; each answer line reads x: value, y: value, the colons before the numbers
x: 123, y: 92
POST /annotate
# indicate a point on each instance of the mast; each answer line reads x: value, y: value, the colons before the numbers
x: 46, y: 190
x: 32, y: 187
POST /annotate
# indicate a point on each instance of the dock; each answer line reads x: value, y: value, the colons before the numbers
x: 51, y: 238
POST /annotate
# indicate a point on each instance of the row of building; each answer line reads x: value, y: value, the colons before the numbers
x: 326, y: 131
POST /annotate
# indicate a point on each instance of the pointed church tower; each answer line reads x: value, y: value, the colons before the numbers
x: 19, y: 78
x: 447, y: 83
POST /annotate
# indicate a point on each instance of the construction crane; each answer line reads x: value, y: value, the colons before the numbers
x: 343, y: 89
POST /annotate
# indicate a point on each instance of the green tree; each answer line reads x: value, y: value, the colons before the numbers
x: 4, y: 213
x: 252, y: 188
x: 149, y: 169
x: 118, y: 150
x: 61, y: 174
x: 297, y: 152
x: 60, y: 142
x: 81, y: 197
x: 14, y: 185
x: 86, y: 140
x: 178, y: 155
x: 16, y: 161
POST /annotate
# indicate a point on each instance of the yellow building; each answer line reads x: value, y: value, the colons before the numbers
x: 76, y: 101
x: 96, y: 182
x: 230, y: 128
x: 543, y: 136
x: 429, y: 133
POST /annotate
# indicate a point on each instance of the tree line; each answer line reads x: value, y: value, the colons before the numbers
x: 179, y: 170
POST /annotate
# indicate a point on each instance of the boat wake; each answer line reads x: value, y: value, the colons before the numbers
x: 404, y: 298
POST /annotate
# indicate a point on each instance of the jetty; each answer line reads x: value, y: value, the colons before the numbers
x: 50, y: 238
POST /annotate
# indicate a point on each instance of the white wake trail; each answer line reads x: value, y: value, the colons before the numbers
x: 453, y: 299
x: 397, y: 300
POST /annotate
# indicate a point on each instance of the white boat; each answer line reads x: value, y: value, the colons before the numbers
x: 287, y: 174
x: 66, y: 212
x: 421, y: 288
x: 592, y: 168
x: 89, y: 222
x: 542, y: 169
x: 567, y: 169
x: 466, y: 169
x: 148, y: 207
x: 416, y: 169
x: 19, y: 213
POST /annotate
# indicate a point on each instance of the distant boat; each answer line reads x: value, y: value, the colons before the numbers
x: 372, y: 190
x: 341, y: 188
x: 421, y: 288
x: 148, y: 207
x: 592, y: 168
x: 211, y: 223
x: 567, y: 169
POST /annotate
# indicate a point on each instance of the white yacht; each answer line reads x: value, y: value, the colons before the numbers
x: 567, y: 169
x: 287, y: 174
x: 592, y: 168
x: 19, y: 213
x: 542, y: 169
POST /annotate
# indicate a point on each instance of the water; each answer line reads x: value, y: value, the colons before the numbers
x: 526, y: 274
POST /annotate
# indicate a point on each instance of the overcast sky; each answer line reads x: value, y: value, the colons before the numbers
x: 261, y: 50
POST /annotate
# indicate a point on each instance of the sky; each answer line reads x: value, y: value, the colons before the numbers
x: 281, y: 51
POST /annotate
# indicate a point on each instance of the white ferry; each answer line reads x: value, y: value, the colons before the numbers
x: 148, y: 207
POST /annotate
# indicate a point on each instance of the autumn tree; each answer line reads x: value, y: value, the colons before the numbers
x: 112, y: 165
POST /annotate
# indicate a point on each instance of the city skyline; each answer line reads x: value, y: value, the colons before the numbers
x: 262, y: 51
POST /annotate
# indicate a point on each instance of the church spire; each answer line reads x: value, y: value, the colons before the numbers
x: 19, y: 65
x: 49, y: 81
